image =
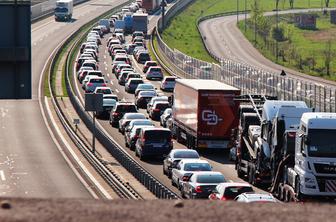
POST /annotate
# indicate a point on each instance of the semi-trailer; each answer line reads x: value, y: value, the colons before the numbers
x: 204, y: 113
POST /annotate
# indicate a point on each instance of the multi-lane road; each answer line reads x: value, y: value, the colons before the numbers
x: 30, y: 158
x: 225, y: 40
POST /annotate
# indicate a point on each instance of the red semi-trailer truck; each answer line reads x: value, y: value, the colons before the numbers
x: 150, y: 5
x: 204, y: 113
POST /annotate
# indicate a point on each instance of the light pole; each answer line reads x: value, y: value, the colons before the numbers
x: 237, y: 10
x: 163, y: 5
x: 245, y: 17
x: 277, y: 28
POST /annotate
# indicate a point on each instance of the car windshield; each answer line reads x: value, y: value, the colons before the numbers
x: 232, y: 192
x: 197, y: 167
x: 158, y: 136
x: 186, y: 154
x: 322, y: 143
x: 141, y: 123
x: 64, y: 10
x: 170, y: 79
x: 136, y: 81
x: 146, y: 86
x: 147, y: 93
x: 210, y: 178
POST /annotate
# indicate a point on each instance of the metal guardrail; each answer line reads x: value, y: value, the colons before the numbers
x: 143, y: 176
x: 248, y: 78
x: 123, y: 189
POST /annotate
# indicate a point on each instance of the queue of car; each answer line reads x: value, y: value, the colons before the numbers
x: 193, y: 176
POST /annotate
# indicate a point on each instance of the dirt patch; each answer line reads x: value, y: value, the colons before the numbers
x: 85, y: 210
x: 321, y: 36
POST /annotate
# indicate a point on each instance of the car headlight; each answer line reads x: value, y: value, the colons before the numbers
x: 309, y: 180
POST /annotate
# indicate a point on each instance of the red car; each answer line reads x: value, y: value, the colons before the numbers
x: 149, y: 64
x: 229, y: 191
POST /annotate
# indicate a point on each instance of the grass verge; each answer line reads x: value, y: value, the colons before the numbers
x: 182, y: 32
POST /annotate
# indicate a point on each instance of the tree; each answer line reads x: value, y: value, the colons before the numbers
x: 256, y: 14
x: 328, y: 56
x: 291, y: 4
x: 327, y: 3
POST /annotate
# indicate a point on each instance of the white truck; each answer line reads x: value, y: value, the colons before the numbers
x: 63, y: 10
x: 308, y: 160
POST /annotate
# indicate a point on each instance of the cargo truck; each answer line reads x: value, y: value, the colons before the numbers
x: 307, y: 160
x: 150, y: 5
x: 263, y: 122
x: 140, y: 22
x: 63, y: 10
x: 204, y: 113
x: 128, y: 20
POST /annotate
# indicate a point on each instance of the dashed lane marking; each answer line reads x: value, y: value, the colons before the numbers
x: 117, y: 90
x: 2, y: 175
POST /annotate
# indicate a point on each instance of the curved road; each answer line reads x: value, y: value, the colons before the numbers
x: 225, y: 40
x: 31, y: 164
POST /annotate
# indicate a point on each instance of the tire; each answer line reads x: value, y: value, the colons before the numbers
x: 240, y: 173
x: 182, y: 194
x: 126, y: 144
x: 169, y: 174
x: 163, y: 170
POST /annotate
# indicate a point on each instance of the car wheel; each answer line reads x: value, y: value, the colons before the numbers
x: 126, y: 144
x: 169, y: 174
x: 183, y: 194
x: 163, y: 170
x: 173, y: 183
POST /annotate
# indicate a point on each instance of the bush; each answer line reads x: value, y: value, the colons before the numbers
x: 278, y: 33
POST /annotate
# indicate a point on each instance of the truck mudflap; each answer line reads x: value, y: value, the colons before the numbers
x: 213, y: 144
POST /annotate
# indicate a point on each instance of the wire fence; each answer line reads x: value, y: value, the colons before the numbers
x: 248, y: 78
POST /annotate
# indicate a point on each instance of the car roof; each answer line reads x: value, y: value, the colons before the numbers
x: 158, y: 129
x: 258, y: 196
x: 132, y: 79
x: 155, y: 67
x: 194, y: 161
x: 185, y: 150
x: 234, y: 184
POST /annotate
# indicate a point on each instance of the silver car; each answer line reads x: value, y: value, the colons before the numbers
x: 126, y: 119
x: 185, y: 167
x: 154, y: 99
x: 94, y: 82
x: 168, y: 83
x: 165, y: 115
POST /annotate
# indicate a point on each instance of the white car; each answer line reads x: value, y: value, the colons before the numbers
x: 103, y: 90
x: 93, y: 82
x: 255, y: 197
x: 154, y: 99
x: 168, y: 83
x: 187, y: 166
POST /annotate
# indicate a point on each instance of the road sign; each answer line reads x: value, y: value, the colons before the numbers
x: 94, y: 102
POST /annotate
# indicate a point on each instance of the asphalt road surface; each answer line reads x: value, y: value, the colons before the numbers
x: 225, y: 40
x: 219, y: 160
x: 30, y: 163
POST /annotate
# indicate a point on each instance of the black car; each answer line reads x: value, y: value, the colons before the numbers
x: 119, y: 110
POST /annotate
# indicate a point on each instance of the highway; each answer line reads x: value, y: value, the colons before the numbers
x: 30, y: 158
x: 219, y: 160
x: 225, y: 40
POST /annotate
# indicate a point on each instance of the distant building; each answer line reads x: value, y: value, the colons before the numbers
x: 305, y: 21
x: 333, y: 16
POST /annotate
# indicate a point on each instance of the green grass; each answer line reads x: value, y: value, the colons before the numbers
x: 309, y: 45
x: 182, y: 32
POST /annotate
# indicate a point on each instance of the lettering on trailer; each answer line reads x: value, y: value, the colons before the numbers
x: 210, y: 117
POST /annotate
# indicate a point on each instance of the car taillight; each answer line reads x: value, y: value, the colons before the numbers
x: 156, y: 110
x: 223, y: 198
x: 198, y: 189
x: 115, y: 114
x: 143, y: 139
x: 103, y: 84
x: 90, y: 84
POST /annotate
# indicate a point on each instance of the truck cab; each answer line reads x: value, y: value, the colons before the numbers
x: 314, y: 172
x: 63, y: 10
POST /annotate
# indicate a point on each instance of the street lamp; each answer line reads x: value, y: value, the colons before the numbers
x: 277, y: 28
x: 163, y: 5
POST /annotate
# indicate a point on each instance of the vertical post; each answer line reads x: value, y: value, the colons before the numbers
x: 255, y: 23
x: 237, y: 11
x: 163, y: 5
x: 245, y: 16
x: 94, y: 133
x: 277, y: 27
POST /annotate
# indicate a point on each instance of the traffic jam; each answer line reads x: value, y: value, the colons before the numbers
x: 282, y: 146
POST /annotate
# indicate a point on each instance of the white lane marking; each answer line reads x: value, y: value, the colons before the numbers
x: 117, y: 90
x: 111, y: 82
x: 108, y: 75
x: 106, y: 68
x: 104, y: 56
x: 231, y: 181
x: 2, y: 175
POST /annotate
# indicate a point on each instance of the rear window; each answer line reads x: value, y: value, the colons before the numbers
x: 136, y: 81
x: 144, y: 56
x: 186, y: 154
x: 157, y: 135
x: 120, y: 59
x: 96, y: 73
x: 151, y: 64
x: 170, y: 79
x: 104, y: 91
x: 155, y: 69
x: 134, y: 76
x: 126, y: 108
x: 232, y: 192
x: 197, y: 167
x: 96, y: 80
x: 210, y: 178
